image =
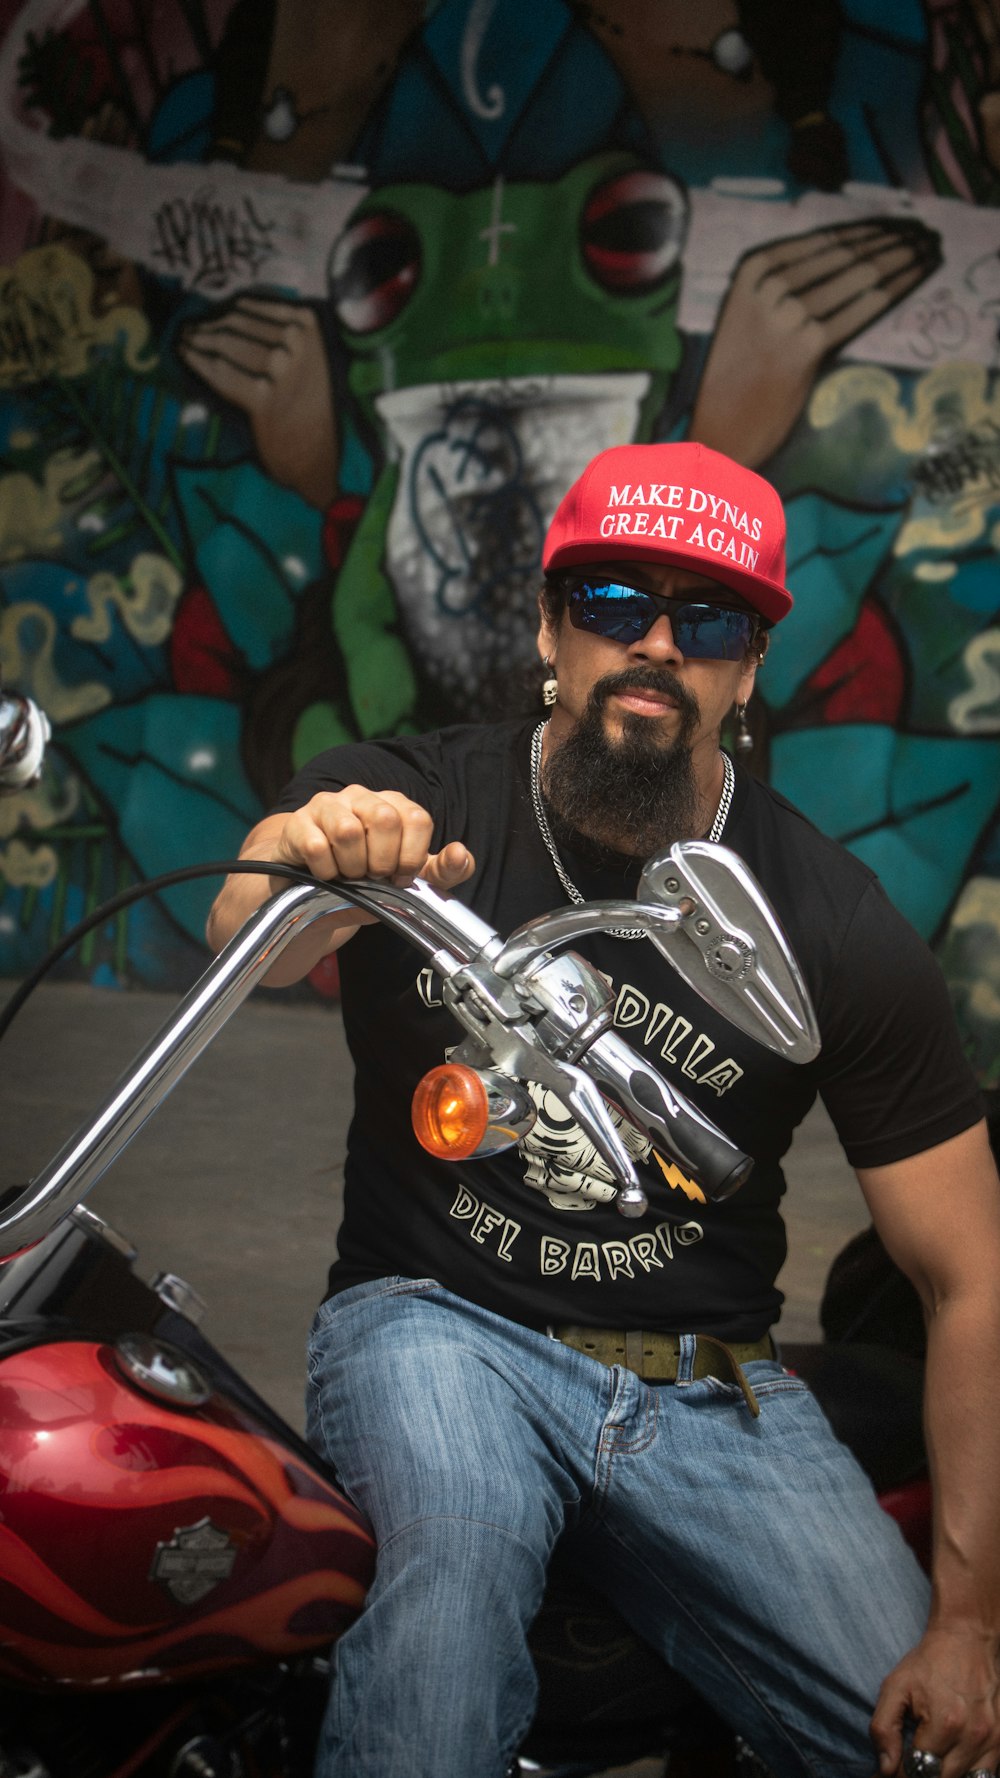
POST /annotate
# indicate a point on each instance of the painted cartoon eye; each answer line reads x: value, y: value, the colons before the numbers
x: 374, y: 268
x: 633, y: 229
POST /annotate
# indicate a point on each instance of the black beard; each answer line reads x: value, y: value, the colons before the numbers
x: 635, y: 794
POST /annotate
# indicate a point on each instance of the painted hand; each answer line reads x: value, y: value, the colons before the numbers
x: 790, y: 305
x: 268, y: 358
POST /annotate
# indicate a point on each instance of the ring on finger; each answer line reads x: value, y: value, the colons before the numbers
x: 918, y: 1763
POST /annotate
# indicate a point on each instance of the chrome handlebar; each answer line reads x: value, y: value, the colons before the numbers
x: 528, y: 1013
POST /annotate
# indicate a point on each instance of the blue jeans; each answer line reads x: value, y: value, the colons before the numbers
x: 751, y: 1553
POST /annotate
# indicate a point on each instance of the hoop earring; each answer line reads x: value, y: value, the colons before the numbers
x: 550, y: 685
x: 743, y: 741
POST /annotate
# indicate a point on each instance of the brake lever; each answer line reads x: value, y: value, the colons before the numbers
x: 584, y: 1099
x: 562, y: 1038
x: 538, y: 1046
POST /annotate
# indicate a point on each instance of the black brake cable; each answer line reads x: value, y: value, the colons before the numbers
x: 246, y: 867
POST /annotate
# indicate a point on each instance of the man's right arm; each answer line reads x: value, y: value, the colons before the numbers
x: 355, y: 832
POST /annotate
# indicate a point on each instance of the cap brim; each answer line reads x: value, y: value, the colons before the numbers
x: 768, y: 597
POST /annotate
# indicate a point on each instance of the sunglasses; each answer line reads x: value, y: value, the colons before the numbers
x: 625, y: 614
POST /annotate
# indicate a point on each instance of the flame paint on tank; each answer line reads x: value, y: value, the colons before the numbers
x: 95, y: 1477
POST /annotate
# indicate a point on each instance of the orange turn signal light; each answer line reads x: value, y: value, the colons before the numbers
x: 450, y: 1112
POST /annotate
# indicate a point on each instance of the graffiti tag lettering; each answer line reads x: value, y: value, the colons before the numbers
x: 33, y: 326
x: 50, y: 324
x: 939, y: 326
x: 211, y: 242
x: 964, y: 469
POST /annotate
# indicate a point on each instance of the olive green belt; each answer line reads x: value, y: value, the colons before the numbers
x: 655, y: 1356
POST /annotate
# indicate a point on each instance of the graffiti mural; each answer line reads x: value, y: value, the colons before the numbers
x: 306, y: 323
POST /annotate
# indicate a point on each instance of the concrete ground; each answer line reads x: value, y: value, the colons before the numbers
x: 235, y: 1183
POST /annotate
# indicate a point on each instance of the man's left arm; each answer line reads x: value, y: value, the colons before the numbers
x: 938, y: 1213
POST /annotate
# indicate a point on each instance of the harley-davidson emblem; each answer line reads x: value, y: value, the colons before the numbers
x: 197, y: 1558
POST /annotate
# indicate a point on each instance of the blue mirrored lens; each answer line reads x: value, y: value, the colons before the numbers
x: 624, y: 614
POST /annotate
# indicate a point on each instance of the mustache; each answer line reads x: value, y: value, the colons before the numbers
x: 639, y: 678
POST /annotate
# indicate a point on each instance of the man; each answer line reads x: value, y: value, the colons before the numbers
x: 744, y: 1544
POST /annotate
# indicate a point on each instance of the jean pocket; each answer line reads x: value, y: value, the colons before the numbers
x: 767, y: 1378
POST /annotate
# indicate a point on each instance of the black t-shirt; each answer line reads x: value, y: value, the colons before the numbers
x: 530, y: 1233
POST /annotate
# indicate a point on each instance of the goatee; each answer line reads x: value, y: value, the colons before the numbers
x: 636, y: 793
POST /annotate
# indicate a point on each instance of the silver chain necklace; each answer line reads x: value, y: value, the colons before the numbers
x: 572, y: 892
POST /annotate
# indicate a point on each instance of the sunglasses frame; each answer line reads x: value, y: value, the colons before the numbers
x: 659, y: 606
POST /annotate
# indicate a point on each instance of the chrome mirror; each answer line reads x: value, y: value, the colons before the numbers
x: 729, y: 946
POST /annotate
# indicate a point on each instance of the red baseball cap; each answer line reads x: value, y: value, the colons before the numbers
x: 680, y: 503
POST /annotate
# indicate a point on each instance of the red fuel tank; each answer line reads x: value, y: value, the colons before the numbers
x: 152, y: 1530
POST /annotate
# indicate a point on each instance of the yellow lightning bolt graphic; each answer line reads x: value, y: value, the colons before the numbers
x: 679, y: 1181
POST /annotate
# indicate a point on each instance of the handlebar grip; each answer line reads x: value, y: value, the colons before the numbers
x: 718, y: 1166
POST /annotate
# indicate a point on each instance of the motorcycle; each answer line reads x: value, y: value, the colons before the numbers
x: 175, y: 1562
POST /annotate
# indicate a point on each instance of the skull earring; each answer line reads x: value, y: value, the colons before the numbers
x: 550, y: 685
x: 743, y: 742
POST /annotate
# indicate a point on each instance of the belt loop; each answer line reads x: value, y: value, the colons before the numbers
x: 685, y: 1358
